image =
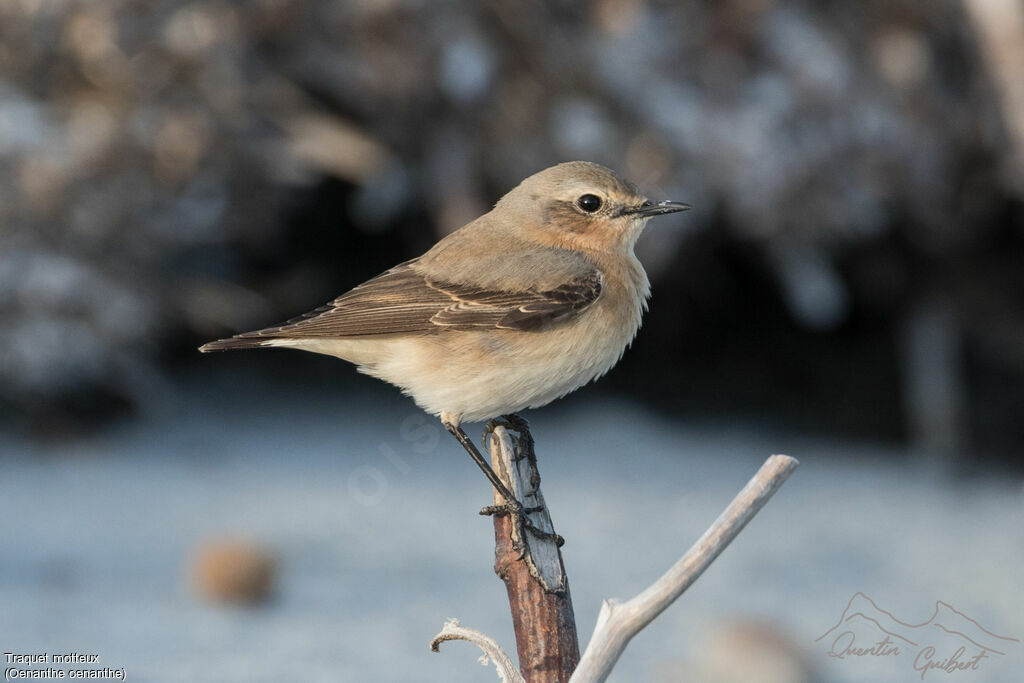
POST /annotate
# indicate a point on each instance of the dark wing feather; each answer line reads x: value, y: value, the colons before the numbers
x: 403, y: 301
x: 528, y: 310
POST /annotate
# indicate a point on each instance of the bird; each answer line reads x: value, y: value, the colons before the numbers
x: 517, y: 308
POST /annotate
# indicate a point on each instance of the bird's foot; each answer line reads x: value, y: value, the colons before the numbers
x: 524, y: 439
x: 518, y: 513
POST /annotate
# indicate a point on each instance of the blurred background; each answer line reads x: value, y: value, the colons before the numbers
x: 848, y: 289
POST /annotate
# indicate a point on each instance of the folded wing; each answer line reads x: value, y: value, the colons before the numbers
x: 404, y: 300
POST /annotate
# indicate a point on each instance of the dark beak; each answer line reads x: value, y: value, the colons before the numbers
x: 648, y: 209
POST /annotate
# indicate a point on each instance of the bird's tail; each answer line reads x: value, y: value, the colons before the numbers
x: 231, y: 343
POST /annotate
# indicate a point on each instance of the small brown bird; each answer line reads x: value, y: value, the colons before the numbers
x: 521, y: 306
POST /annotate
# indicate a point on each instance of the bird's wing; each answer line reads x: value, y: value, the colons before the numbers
x: 529, y: 310
x: 404, y: 300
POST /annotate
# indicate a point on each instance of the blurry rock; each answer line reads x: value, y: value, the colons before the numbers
x: 41, y: 182
x: 233, y: 571
x: 335, y: 146
x: 467, y: 65
x: 178, y: 149
x: 616, y: 16
x: 748, y: 651
x: 902, y: 57
x: 194, y: 30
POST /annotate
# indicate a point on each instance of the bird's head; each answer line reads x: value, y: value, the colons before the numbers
x: 582, y: 205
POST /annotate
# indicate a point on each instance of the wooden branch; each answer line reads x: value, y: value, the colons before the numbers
x: 492, y: 651
x: 532, y: 568
x: 618, y: 622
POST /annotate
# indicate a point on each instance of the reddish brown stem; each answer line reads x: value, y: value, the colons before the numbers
x: 530, y: 563
x: 544, y: 622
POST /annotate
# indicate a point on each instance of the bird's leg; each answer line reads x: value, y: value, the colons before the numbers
x: 488, y: 471
x: 512, y: 506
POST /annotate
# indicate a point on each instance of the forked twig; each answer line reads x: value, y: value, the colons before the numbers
x: 618, y: 621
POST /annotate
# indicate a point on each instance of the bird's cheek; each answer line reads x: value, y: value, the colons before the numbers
x: 632, y: 230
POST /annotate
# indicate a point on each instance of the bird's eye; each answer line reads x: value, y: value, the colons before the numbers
x: 589, y: 203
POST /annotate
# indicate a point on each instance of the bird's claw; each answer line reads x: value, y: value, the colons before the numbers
x: 519, y: 513
x: 524, y: 439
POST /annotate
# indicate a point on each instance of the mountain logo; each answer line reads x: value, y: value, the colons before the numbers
x: 949, y: 641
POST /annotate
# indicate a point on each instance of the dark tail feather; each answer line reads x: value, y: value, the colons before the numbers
x: 239, y: 342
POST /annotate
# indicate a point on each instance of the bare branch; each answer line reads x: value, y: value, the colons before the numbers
x: 492, y: 651
x: 531, y: 565
x: 519, y: 472
x: 618, y: 622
